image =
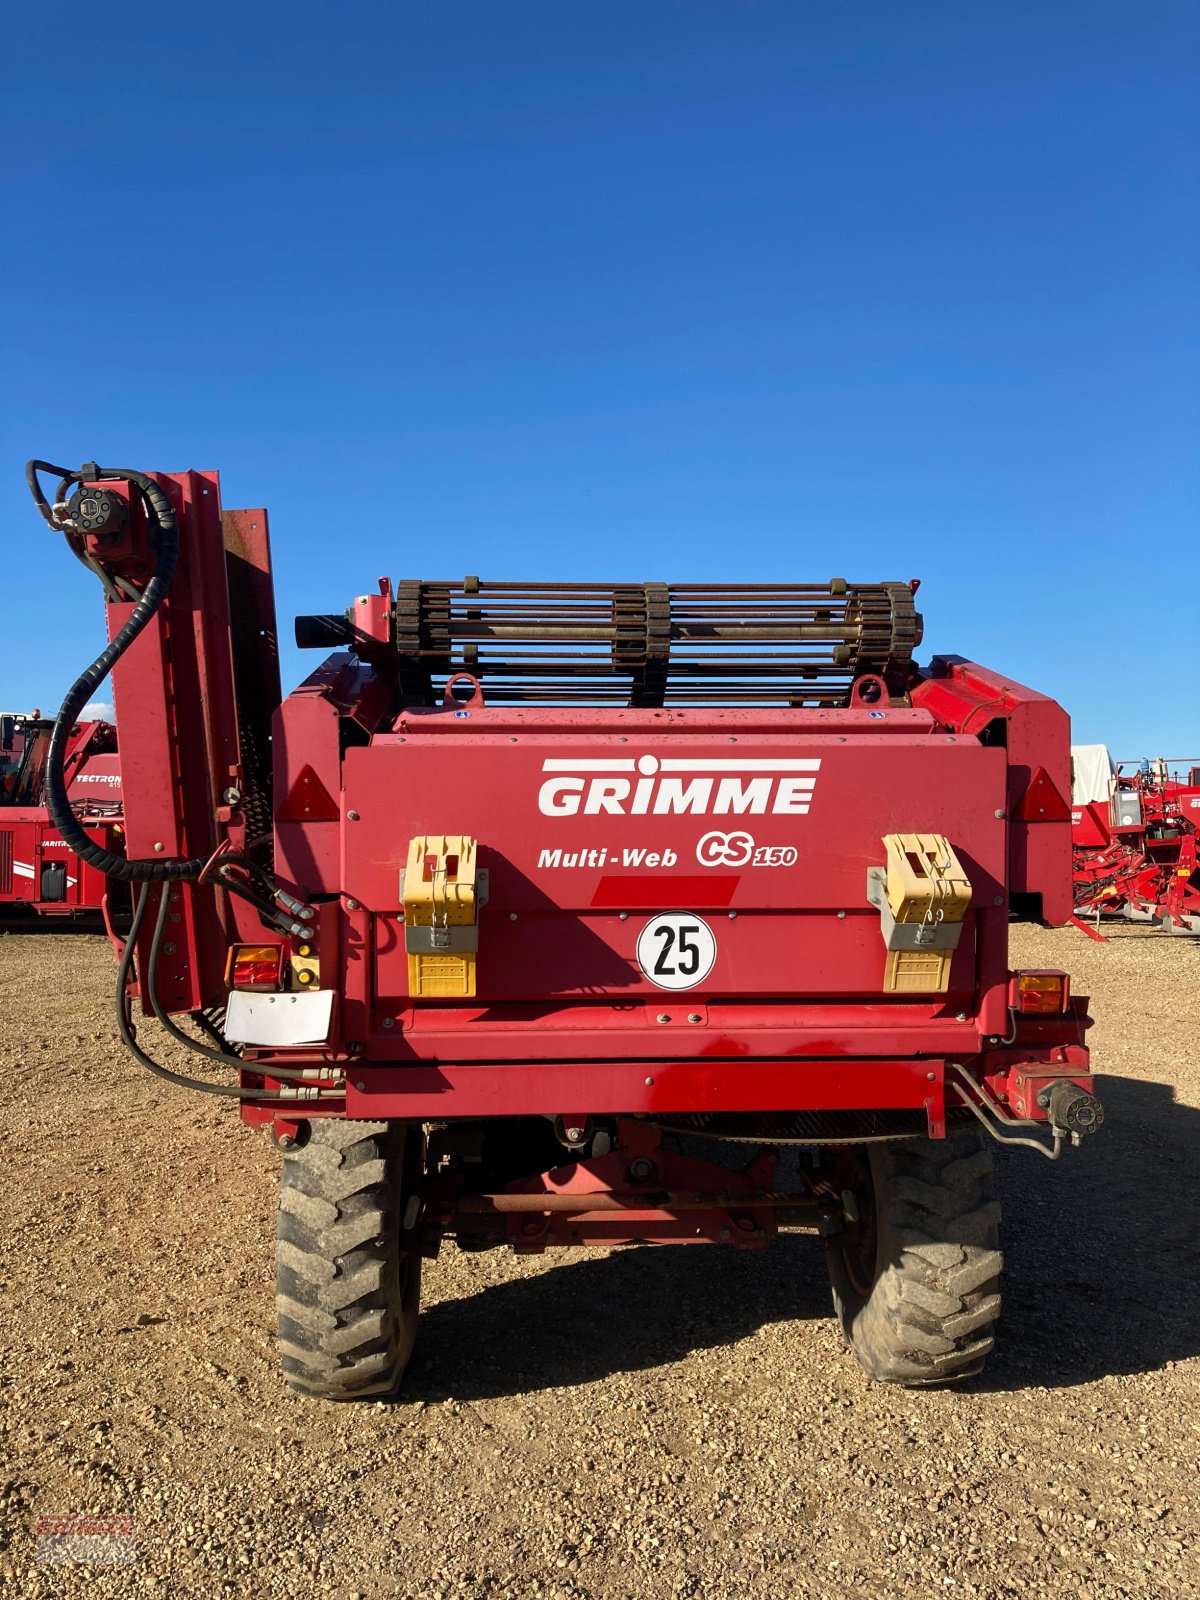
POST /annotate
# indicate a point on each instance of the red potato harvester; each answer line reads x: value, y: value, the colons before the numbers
x: 1135, y: 829
x: 584, y: 914
x: 38, y: 873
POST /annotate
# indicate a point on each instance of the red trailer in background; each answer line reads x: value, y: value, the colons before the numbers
x: 1135, y: 834
x: 38, y: 872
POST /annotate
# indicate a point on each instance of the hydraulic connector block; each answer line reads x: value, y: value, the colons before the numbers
x: 442, y: 893
x: 1071, y: 1109
x: 922, y: 895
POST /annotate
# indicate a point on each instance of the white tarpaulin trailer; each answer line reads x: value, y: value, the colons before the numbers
x: 1093, y: 775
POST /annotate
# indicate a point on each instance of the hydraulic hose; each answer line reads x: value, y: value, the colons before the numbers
x: 125, y: 1024
x: 226, y: 1058
x: 128, y: 1035
x: 165, y: 543
x: 32, y: 468
x: 165, y: 539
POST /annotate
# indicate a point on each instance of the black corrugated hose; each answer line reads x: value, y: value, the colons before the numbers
x: 165, y: 538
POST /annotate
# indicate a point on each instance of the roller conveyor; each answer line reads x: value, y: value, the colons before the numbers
x: 646, y: 644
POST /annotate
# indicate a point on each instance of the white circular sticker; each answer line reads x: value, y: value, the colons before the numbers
x: 676, y: 950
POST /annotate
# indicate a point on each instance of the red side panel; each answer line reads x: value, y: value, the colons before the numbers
x: 1090, y: 826
x: 28, y: 846
x: 1036, y: 733
x: 180, y: 753
x: 97, y: 783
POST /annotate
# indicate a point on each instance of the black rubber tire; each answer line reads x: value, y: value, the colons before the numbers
x: 348, y: 1275
x: 916, y: 1279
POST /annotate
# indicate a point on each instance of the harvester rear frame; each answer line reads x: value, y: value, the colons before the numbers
x: 495, y: 1057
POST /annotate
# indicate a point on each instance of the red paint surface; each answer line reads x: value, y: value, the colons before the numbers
x: 649, y: 892
x: 792, y: 1013
x: 459, y: 1089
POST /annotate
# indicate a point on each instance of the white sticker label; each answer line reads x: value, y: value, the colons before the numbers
x: 676, y: 950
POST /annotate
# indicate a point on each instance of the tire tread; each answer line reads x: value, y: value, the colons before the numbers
x: 930, y: 1317
x: 343, y: 1331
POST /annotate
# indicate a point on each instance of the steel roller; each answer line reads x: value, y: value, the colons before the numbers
x: 655, y: 644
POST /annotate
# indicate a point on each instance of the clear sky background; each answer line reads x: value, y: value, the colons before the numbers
x: 670, y: 289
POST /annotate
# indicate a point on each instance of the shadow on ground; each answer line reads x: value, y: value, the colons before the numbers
x: 1103, y: 1248
x: 23, y: 921
x: 595, y: 1315
x: 1102, y: 1277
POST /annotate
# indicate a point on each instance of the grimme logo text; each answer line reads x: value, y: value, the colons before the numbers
x: 647, y: 786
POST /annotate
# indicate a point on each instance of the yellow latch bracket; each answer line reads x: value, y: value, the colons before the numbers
x: 922, y: 895
x: 442, y: 890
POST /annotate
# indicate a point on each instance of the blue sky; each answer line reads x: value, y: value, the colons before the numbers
x: 671, y: 289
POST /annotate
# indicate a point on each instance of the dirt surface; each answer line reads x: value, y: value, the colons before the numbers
x: 618, y: 1425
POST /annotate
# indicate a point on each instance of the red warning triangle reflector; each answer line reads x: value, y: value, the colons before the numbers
x: 1042, y: 802
x: 308, y: 800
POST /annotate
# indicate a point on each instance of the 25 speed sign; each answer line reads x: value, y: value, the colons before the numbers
x: 676, y: 950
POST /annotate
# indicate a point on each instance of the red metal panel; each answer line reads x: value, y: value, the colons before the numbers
x: 27, y: 828
x: 1090, y: 826
x: 305, y: 739
x: 643, y: 1087
x: 97, y: 782
x: 31, y: 844
x: 863, y: 788
x: 252, y: 594
x: 356, y: 970
x: 512, y: 1033
x: 174, y: 695
x: 600, y: 723
x: 142, y: 693
x: 759, y: 953
x: 801, y: 859
x: 255, y: 647
x: 624, y: 890
x: 307, y: 734
x: 205, y: 673
x: 1037, y: 735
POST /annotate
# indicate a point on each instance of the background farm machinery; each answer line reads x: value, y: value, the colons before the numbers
x: 1135, y: 834
x: 38, y: 872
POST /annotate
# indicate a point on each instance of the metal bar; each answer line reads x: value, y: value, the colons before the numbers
x: 629, y: 1200
x: 658, y: 644
x: 433, y: 1092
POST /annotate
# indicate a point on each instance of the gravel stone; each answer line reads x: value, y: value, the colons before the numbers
x: 606, y: 1425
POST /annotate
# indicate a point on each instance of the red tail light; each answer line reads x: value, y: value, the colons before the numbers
x: 1039, y: 993
x: 254, y: 966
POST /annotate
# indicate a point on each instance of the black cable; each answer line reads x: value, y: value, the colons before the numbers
x: 162, y: 517
x: 284, y: 1074
x: 32, y: 468
x: 272, y: 914
x: 112, y: 589
x: 128, y: 1034
x: 62, y: 815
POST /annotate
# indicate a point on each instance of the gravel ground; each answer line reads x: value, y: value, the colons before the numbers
x: 617, y: 1425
